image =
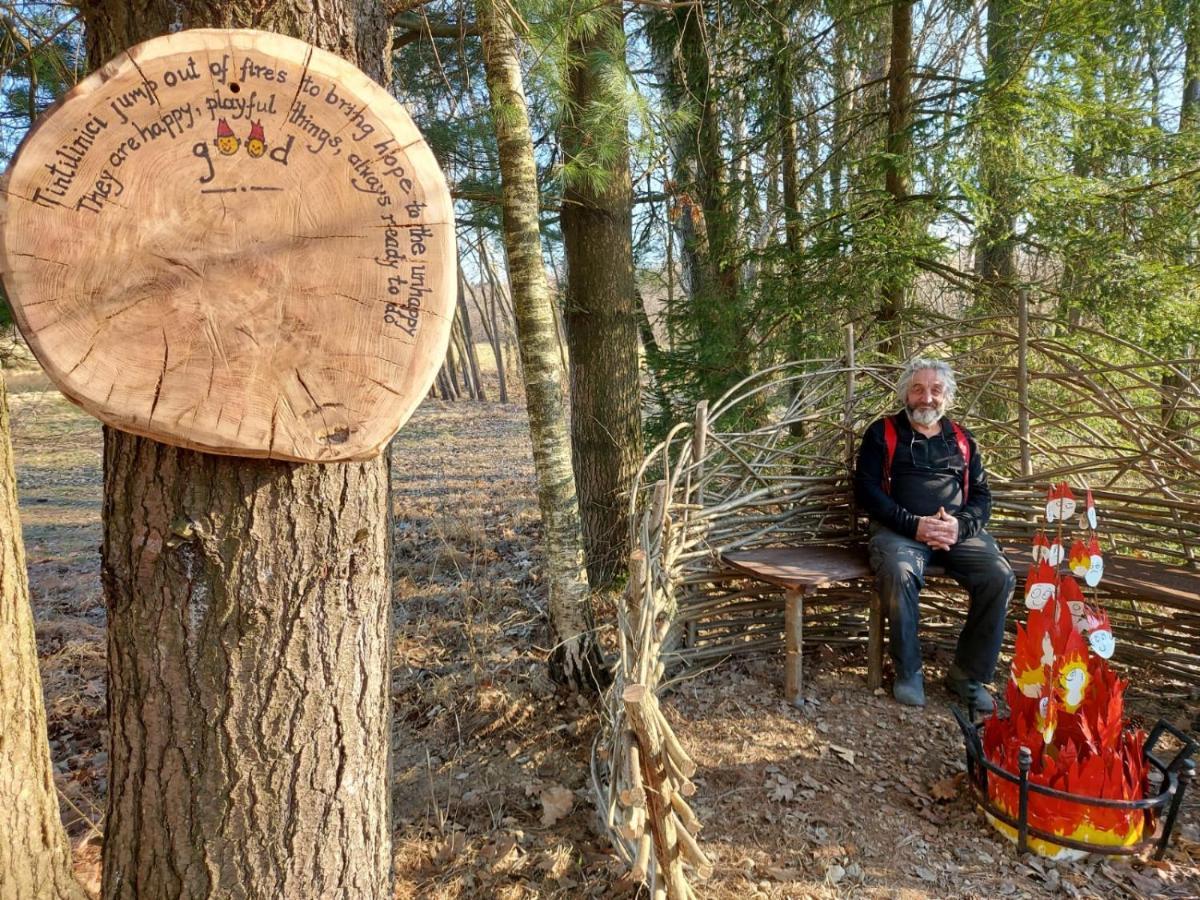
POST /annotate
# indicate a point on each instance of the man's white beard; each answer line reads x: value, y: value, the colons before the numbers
x: 924, y: 415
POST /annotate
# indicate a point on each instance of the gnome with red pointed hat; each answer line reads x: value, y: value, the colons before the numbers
x: 227, y: 142
x: 256, y: 144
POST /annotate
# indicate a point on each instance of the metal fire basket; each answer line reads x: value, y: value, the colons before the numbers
x: 1176, y: 776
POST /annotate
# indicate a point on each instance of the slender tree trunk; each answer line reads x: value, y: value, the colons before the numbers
x: 723, y: 324
x: 898, y: 178
x: 843, y: 111
x: 576, y: 658
x: 716, y: 317
x: 248, y: 615
x: 997, y: 263
x: 602, y: 336
x: 1189, y: 108
x: 469, y: 338
x: 1189, y: 121
x: 785, y: 87
x: 35, y: 859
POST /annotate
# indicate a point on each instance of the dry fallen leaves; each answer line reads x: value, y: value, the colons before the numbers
x: 556, y: 803
x: 946, y: 789
x: 844, y: 752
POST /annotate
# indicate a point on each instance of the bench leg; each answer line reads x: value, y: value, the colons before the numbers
x: 793, y: 626
x: 875, y: 643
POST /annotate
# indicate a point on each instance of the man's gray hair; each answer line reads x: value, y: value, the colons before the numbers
x: 913, y: 366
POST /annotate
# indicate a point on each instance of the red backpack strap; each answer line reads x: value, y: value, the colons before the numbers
x: 890, y: 438
x: 964, y: 447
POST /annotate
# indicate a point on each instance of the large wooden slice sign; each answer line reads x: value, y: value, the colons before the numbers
x: 235, y: 242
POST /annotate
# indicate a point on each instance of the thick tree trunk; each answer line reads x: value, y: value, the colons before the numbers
x: 897, y: 179
x: 248, y: 648
x: 602, y: 337
x: 35, y: 860
x: 576, y: 658
x: 248, y: 614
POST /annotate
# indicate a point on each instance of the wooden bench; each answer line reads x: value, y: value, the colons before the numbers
x: 804, y: 569
x: 800, y: 571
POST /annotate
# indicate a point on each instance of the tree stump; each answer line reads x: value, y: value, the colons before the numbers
x: 234, y: 242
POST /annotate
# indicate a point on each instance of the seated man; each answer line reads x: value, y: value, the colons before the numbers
x: 921, y: 480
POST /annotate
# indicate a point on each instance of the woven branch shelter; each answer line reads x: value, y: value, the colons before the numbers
x: 769, y: 464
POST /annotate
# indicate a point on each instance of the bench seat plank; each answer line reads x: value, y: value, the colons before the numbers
x: 801, y: 568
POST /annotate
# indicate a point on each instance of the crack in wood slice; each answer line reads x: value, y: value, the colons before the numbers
x: 235, y: 242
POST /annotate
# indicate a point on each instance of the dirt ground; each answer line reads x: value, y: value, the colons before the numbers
x: 853, y: 797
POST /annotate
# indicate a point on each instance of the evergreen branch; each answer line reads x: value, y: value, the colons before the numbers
x: 396, y: 8
x: 412, y: 27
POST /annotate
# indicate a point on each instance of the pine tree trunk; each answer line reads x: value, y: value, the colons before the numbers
x: 722, y: 321
x: 784, y: 87
x: 997, y: 260
x: 1189, y: 107
x: 576, y: 658
x: 249, y: 619
x: 715, y: 319
x: 35, y: 859
x: 897, y: 179
x: 602, y: 337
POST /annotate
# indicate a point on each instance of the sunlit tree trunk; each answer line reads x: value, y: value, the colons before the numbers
x: 35, y: 860
x: 248, y: 617
x: 576, y: 657
x: 601, y: 307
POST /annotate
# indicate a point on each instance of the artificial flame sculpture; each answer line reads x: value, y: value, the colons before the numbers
x: 1066, y: 706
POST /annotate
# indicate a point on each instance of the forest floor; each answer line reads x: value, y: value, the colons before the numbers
x: 853, y: 797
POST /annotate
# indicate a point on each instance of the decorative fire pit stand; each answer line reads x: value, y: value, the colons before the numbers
x: 1064, y: 773
x: 1175, y: 775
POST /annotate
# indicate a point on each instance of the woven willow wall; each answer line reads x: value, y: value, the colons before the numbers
x: 769, y: 464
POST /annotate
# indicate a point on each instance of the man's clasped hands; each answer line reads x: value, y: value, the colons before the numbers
x: 940, y: 532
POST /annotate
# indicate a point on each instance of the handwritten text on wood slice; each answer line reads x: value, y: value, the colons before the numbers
x: 235, y: 242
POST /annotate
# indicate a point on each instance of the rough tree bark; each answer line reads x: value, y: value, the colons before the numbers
x: 576, y: 658
x: 997, y: 258
x: 248, y: 614
x: 35, y: 859
x: 898, y: 178
x: 601, y: 309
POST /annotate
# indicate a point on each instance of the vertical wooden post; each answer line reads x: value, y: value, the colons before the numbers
x: 793, y: 627
x: 875, y: 642
x: 699, y: 447
x: 1023, y: 380
x: 848, y: 426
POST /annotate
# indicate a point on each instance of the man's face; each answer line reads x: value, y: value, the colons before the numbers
x: 926, y: 402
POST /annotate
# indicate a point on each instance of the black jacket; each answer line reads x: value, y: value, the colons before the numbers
x: 926, y: 473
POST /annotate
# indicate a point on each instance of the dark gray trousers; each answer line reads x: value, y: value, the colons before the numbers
x: 976, y: 563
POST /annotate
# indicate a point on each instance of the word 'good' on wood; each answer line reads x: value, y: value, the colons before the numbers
x: 235, y: 242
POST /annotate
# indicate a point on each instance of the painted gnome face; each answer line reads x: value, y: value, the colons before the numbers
x: 1073, y: 680
x: 1102, y: 643
x: 256, y: 144
x: 227, y: 141
x: 1060, y: 503
x: 1039, y: 586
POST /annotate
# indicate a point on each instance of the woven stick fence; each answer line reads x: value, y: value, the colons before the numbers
x: 769, y: 464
